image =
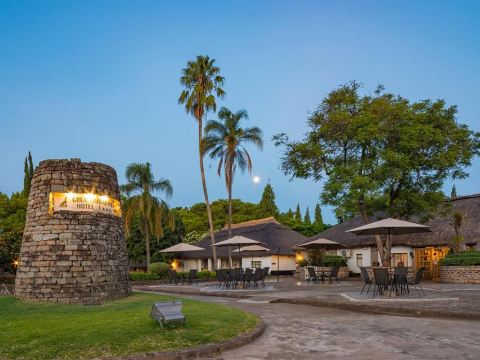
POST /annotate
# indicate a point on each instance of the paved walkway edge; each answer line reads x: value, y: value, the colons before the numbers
x: 383, y: 310
x: 354, y: 306
x: 207, y: 350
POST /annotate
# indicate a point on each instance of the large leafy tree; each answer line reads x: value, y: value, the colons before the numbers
x: 13, y: 211
x: 225, y: 140
x: 380, y: 152
x: 202, y: 81
x: 267, y: 206
x: 140, y: 191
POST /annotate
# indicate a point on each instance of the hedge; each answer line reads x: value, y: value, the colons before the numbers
x: 465, y: 258
x: 159, y: 268
x: 142, y: 276
x: 334, y: 260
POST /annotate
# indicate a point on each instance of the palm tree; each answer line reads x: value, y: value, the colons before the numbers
x: 202, y: 81
x: 226, y: 140
x: 142, y: 184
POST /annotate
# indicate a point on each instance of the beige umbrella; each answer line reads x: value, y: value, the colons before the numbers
x: 252, y: 249
x: 390, y: 227
x: 181, y: 248
x: 239, y: 241
x: 321, y: 243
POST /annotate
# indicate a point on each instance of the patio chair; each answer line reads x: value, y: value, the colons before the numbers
x: 257, y: 276
x: 382, y: 281
x: 333, y: 274
x: 247, y: 277
x: 400, y: 280
x: 366, y: 279
x: 312, y: 275
x: 418, y: 278
x: 173, y: 277
x: 192, y: 276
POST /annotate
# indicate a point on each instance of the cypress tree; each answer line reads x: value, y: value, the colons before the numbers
x: 453, y: 194
x: 267, y: 204
x: 306, y: 219
x: 318, y: 215
x: 298, y: 214
x: 27, y: 173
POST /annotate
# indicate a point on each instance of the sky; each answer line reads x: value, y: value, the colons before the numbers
x: 99, y: 80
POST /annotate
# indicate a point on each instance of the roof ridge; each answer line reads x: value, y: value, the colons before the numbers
x: 463, y: 197
x: 266, y: 220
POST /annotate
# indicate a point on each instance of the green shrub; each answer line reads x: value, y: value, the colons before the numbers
x: 141, y: 276
x: 159, y: 268
x: 334, y: 260
x: 464, y: 258
x: 206, y: 274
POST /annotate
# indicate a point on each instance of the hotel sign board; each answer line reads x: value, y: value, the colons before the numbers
x: 85, y: 202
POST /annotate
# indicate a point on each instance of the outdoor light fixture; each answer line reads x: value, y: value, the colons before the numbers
x: 85, y: 202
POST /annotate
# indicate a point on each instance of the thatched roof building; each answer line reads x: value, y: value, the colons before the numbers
x: 442, y: 230
x: 269, y: 231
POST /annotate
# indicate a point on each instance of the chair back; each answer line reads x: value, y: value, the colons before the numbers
x: 172, y: 274
x: 334, y: 271
x: 311, y: 271
x: 364, y: 275
x: 258, y: 274
x: 381, y: 276
x: 248, y: 274
x: 192, y: 274
x: 401, y: 274
x: 419, y: 275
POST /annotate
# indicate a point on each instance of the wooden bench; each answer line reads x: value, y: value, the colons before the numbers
x: 167, y: 311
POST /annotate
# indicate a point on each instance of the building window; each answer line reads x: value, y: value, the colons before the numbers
x: 400, y: 258
x: 359, y: 260
x: 256, y: 264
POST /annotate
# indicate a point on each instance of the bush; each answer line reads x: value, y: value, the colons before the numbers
x: 206, y: 274
x: 159, y: 268
x: 142, y: 276
x: 334, y: 260
x: 464, y: 258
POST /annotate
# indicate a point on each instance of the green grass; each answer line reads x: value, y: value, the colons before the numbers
x: 119, y: 327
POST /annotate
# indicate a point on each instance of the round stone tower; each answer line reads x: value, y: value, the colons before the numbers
x: 73, y: 248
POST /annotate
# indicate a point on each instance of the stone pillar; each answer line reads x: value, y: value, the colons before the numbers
x: 73, y: 248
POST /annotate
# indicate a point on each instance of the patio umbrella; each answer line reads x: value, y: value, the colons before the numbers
x: 390, y: 227
x: 239, y: 241
x: 321, y: 243
x: 181, y: 248
x: 252, y: 249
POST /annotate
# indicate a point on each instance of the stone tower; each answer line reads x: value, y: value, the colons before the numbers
x: 73, y: 248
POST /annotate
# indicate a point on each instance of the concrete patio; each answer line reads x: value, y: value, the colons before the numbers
x: 440, y: 300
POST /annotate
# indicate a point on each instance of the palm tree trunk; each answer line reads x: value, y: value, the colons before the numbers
x: 230, y: 214
x: 146, y: 231
x: 205, y: 192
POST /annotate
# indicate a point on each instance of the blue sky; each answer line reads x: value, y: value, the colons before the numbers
x: 98, y: 80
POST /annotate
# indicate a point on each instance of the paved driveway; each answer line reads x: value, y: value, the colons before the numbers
x: 311, y: 332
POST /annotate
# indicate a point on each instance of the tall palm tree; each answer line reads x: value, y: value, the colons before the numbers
x: 226, y: 140
x: 142, y: 186
x: 202, y: 81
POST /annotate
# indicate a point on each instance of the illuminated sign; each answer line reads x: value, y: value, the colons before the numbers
x: 84, y: 203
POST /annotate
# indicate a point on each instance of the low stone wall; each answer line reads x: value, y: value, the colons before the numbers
x: 342, y: 273
x: 460, y: 274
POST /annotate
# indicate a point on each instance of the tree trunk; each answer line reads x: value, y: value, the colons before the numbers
x: 229, y: 186
x: 146, y: 231
x: 378, y: 240
x: 205, y: 192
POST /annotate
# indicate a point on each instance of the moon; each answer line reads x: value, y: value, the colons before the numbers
x: 256, y: 179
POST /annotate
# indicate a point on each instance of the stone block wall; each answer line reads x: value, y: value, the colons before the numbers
x: 70, y: 256
x: 460, y: 274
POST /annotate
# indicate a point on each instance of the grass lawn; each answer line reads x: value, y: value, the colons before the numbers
x: 119, y: 327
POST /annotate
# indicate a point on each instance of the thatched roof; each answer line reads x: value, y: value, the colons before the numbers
x: 442, y: 231
x: 269, y: 231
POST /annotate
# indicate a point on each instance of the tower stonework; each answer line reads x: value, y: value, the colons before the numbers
x: 73, y: 248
